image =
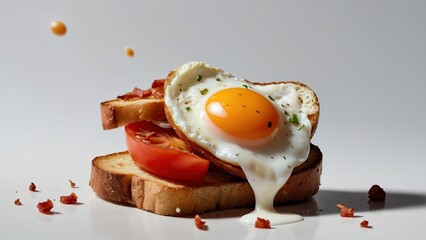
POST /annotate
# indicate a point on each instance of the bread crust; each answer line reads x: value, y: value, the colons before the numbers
x: 116, y: 177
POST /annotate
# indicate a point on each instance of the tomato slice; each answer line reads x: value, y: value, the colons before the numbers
x: 161, y: 152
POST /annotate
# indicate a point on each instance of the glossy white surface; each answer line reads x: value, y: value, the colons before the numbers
x: 366, y: 61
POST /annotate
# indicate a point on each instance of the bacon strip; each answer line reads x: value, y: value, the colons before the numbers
x: 156, y: 91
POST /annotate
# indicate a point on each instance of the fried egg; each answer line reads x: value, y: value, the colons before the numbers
x: 264, y: 128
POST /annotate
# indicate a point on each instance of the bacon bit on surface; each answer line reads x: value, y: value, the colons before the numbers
x: 199, y: 223
x: 71, y: 199
x: 45, y: 207
x: 18, y: 202
x: 376, y: 193
x: 364, y: 224
x: 32, y: 187
x: 72, y: 184
x: 156, y: 91
x: 345, y: 212
x: 262, y: 223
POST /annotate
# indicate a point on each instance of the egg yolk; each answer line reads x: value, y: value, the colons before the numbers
x: 242, y: 113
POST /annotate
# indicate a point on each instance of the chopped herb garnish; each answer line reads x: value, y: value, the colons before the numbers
x: 199, y: 77
x: 270, y: 97
x: 237, y: 154
x: 293, y: 119
x: 204, y: 91
x: 243, y: 106
x: 245, y: 86
x: 257, y: 111
x: 188, y: 109
x: 302, y: 127
x: 269, y: 124
x: 288, y: 166
x: 284, y: 157
x: 218, y: 79
x: 272, y: 157
x: 286, y: 113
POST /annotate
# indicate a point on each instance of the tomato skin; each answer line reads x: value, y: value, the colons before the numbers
x: 162, y: 161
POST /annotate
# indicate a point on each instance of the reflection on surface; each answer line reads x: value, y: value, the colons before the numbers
x: 327, y: 200
x: 115, y: 221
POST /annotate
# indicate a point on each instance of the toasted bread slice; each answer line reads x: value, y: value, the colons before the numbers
x: 116, y: 177
x: 118, y: 112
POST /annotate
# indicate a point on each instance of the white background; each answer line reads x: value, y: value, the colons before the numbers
x: 365, y: 59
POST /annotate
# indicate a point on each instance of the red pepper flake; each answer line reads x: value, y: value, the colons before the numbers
x: 364, y: 224
x: 376, y: 193
x: 199, y: 223
x: 71, y: 199
x: 345, y: 212
x: 18, y: 202
x: 262, y: 223
x: 32, y: 187
x: 72, y: 184
x: 45, y: 207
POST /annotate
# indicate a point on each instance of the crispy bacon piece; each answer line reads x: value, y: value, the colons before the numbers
x: 156, y: 91
x: 32, y: 187
x: 71, y: 199
x: 45, y: 207
x: 72, y: 184
x: 199, y: 223
x: 364, y: 224
x: 376, y: 193
x: 18, y: 202
x: 345, y: 212
x: 262, y: 223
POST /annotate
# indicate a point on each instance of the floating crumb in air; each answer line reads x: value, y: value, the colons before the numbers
x: 58, y: 28
x: 72, y: 184
x: 376, y: 193
x: 129, y: 51
x: 32, y: 187
x: 262, y: 223
x: 18, y: 202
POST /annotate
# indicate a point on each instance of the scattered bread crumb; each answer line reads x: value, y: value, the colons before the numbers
x: 178, y: 210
